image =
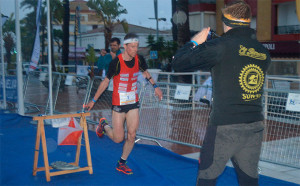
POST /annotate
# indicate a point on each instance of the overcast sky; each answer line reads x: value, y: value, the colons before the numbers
x: 138, y: 12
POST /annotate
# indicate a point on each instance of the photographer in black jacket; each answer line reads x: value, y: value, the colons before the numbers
x: 238, y: 64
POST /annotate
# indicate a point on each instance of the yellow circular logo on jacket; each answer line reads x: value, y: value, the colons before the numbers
x: 251, y: 78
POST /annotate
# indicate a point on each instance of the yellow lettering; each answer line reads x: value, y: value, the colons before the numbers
x: 244, y: 96
x: 242, y: 50
x: 250, y: 97
x: 251, y: 53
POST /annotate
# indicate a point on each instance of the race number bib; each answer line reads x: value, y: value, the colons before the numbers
x: 127, y: 98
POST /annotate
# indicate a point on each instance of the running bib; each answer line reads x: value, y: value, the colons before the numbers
x: 127, y: 98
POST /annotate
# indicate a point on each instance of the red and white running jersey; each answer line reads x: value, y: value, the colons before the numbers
x: 125, y: 83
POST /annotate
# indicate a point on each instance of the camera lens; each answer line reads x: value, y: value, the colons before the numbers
x: 212, y: 35
x: 209, y: 36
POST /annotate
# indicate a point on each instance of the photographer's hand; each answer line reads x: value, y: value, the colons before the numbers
x: 113, y: 55
x: 201, y: 36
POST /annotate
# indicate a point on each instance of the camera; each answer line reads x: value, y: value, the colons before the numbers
x: 211, y: 35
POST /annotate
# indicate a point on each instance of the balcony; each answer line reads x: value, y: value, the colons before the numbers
x: 291, y: 29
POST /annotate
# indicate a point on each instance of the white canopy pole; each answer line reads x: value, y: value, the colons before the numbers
x: 2, y: 62
x: 49, y: 58
x: 19, y: 62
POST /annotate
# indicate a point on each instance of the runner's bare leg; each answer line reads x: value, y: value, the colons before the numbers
x: 132, y: 120
x: 116, y: 133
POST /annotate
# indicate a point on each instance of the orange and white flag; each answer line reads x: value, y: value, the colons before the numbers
x: 70, y: 134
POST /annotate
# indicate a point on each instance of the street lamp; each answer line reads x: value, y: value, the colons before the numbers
x: 157, y: 19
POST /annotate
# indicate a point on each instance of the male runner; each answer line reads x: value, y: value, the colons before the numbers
x: 125, y: 102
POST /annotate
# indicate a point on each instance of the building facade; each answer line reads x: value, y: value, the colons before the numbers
x: 95, y: 38
x: 91, y: 32
x: 88, y: 21
x: 277, y: 23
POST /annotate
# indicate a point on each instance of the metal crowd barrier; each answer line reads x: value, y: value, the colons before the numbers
x: 102, y: 107
x: 36, y: 94
x: 174, y: 119
x: 282, y: 124
x: 184, y: 121
x: 72, y: 93
x: 181, y: 121
x: 69, y: 93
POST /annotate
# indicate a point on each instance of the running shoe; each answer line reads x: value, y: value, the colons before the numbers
x: 100, y: 128
x: 122, y: 167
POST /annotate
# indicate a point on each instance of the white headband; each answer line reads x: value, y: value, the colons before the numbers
x: 131, y: 40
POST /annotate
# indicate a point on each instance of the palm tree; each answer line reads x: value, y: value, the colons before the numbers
x: 8, y: 32
x: 66, y: 24
x: 108, y: 12
x: 29, y: 25
x: 174, y: 26
x: 55, y: 16
x: 183, y: 34
x: 151, y: 42
x: 58, y: 36
x: 166, y: 49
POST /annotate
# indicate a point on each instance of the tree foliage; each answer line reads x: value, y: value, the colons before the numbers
x: 66, y: 30
x: 8, y: 38
x: 165, y: 49
x: 108, y: 12
x: 56, y: 12
x: 91, y: 59
x: 58, y: 36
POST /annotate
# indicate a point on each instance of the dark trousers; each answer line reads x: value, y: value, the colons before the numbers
x: 241, y: 143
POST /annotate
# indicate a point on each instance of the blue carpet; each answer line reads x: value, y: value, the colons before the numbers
x: 152, y: 165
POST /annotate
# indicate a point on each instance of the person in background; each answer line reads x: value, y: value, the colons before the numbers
x: 124, y: 71
x: 101, y: 61
x: 238, y: 63
x: 115, y: 45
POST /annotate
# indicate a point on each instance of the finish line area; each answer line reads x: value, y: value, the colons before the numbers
x: 152, y: 165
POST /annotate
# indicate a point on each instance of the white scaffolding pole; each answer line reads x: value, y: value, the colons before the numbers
x: 2, y: 62
x: 19, y: 62
x: 49, y: 58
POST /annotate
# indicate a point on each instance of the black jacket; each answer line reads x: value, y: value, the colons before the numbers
x: 238, y: 63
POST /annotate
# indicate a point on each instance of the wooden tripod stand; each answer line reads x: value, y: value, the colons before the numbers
x: 40, y: 136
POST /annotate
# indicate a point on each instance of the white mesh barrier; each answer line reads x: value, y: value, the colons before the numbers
x: 102, y: 107
x: 36, y: 92
x: 69, y: 93
x: 182, y: 116
x: 72, y: 94
x: 179, y: 117
x: 282, y: 135
x: 173, y: 120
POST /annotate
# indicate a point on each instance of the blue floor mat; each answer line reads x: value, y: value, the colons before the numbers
x: 152, y: 165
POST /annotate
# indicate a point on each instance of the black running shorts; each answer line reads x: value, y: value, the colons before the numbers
x: 125, y: 108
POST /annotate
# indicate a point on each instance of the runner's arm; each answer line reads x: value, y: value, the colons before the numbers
x: 102, y: 87
x: 157, y: 90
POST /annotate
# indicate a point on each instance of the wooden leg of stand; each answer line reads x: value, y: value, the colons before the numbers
x: 37, y: 147
x: 87, y: 145
x: 78, y: 148
x: 44, y: 145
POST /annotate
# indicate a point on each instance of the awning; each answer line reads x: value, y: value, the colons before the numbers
x: 289, y: 49
x: 78, y: 55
